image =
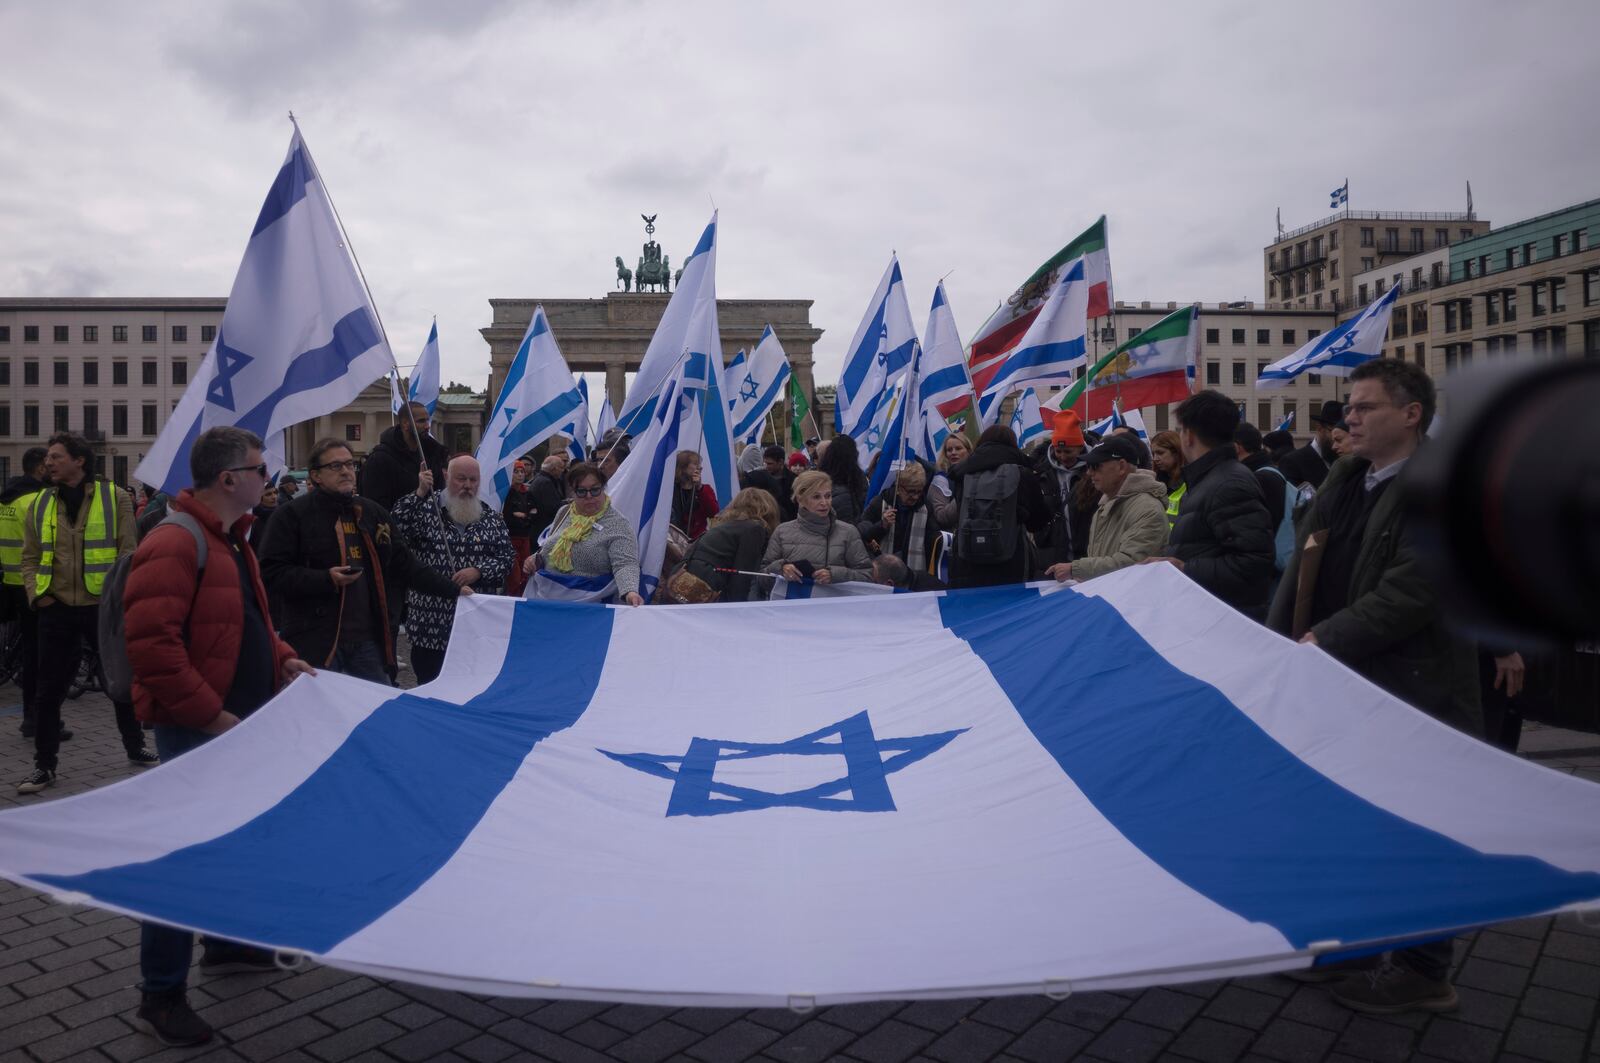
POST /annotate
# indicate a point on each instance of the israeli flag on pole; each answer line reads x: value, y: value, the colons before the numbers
x: 944, y: 385
x: 537, y: 397
x: 878, y: 355
x: 1339, y: 196
x: 642, y: 489
x: 1118, y: 419
x: 299, y: 338
x: 906, y: 439
x: 396, y: 400
x: 731, y: 373
x: 425, y: 376
x: 756, y: 386
x: 577, y: 429
x: 1054, y: 344
x: 607, y: 419
x: 920, y: 820
x: 1339, y: 350
x: 661, y: 358
x: 1287, y: 423
x: 1026, y: 421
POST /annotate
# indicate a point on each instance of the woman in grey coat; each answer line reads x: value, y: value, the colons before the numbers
x: 589, y: 538
x: 832, y: 547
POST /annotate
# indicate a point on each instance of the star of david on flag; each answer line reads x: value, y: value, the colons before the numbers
x: 863, y: 786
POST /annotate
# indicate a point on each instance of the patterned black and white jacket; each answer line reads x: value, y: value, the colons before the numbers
x: 484, y: 545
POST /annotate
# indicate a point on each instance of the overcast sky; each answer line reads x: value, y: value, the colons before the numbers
x: 481, y: 149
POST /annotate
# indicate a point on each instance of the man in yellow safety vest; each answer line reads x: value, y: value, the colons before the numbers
x: 72, y: 533
x: 15, y: 498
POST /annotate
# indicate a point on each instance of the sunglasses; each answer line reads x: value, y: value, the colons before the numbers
x: 337, y: 466
x: 588, y: 492
x: 260, y: 470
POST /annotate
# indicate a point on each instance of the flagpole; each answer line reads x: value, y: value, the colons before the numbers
x: 654, y: 393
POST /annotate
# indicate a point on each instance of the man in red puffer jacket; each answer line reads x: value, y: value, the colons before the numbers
x: 204, y: 656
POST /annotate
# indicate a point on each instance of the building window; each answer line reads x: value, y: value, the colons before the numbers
x: 1563, y: 244
x: 1441, y: 237
x: 1238, y: 335
x: 5, y: 333
x: 1361, y: 294
x: 1591, y: 337
x: 149, y: 377
x: 91, y: 334
x: 119, y: 418
x: 1366, y: 264
x: 5, y: 372
x: 1264, y: 415
x: 1316, y: 301
x: 1419, y: 318
x: 1261, y: 366
x: 1213, y: 372
x: 1591, y: 288
x: 1133, y: 330
x: 1508, y: 307
x: 180, y: 372
x: 62, y: 333
x: 1312, y: 333
x: 1437, y: 276
x: 208, y: 333
x: 1288, y: 335
x: 180, y: 333
x: 1466, y: 313
x: 61, y: 422
x: 1580, y: 239
x: 1391, y: 238
x: 5, y: 419
x: 1316, y: 247
x: 1333, y: 269
x: 119, y: 333
x: 1333, y: 240
x: 91, y: 419
x: 91, y: 373
x: 1421, y: 356
x: 119, y: 374
x: 62, y: 369
x: 1272, y: 289
x: 1238, y: 372
x: 1162, y: 418
x: 1540, y: 305
x: 1212, y: 335
x: 1263, y: 336
x: 1366, y: 236
x: 1416, y: 239
x: 119, y: 469
x: 30, y: 374
x: 148, y: 419
x: 352, y: 433
x: 148, y: 333
x: 30, y: 333
x: 1558, y: 295
x: 30, y: 421
x: 1314, y: 380
x: 1450, y: 317
x: 1397, y: 325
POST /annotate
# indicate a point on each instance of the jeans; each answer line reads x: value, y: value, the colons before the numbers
x: 364, y: 661
x: 165, y: 952
x: 426, y: 663
x: 64, y: 632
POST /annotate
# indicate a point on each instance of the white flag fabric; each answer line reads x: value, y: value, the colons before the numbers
x: 1026, y: 421
x: 757, y: 385
x: 538, y: 396
x: 298, y: 339
x: 1339, y: 350
x: 784, y: 591
x: 939, y: 809
x: 878, y: 354
x: 1054, y: 344
x: 607, y: 419
x: 424, y: 387
x: 945, y: 388
x: 576, y: 430
x: 642, y: 489
x: 731, y: 372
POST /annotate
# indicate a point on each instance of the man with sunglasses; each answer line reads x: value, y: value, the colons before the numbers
x: 72, y: 533
x: 204, y: 657
x: 334, y: 560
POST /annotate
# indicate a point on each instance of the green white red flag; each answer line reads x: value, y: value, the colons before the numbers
x: 1153, y: 368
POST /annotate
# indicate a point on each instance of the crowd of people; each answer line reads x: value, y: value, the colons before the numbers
x: 237, y: 585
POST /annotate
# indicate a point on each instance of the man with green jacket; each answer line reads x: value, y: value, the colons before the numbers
x: 1354, y: 587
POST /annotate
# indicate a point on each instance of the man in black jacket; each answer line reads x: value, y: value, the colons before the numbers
x: 14, y: 502
x: 390, y: 471
x: 1222, y: 538
x: 900, y: 520
x: 1248, y: 448
x: 997, y: 447
x: 549, y: 490
x: 1312, y: 460
x: 335, y: 563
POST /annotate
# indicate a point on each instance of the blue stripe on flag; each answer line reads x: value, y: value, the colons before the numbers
x: 298, y: 878
x: 288, y: 188
x: 551, y: 413
x: 942, y: 380
x: 1208, y: 795
x: 353, y: 335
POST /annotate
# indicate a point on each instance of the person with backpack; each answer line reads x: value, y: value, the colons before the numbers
x: 203, y: 657
x: 1276, y: 491
x: 998, y: 501
x: 72, y: 535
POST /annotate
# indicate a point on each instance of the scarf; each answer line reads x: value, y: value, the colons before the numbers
x: 917, y: 539
x: 574, y: 530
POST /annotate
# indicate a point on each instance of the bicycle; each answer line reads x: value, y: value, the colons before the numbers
x: 87, y: 680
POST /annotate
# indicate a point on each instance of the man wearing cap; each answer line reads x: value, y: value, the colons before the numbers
x: 1069, y: 496
x: 1312, y: 460
x: 1130, y: 523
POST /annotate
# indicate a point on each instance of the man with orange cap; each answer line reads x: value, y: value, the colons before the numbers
x: 1068, y: 493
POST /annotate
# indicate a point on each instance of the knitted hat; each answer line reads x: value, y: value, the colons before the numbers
x: 798, y: 460
x: 1067, y: 429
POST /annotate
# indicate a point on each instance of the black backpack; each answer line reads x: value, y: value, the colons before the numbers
x: 114, y: 664
x: 986, y: 528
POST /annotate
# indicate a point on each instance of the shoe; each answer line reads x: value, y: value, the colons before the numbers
x: 229, y: 957
x: 64, y: 736
x: 169, y: 1018
x: 1333, y: 972
x: 39, y: 780
x: 143, y: 758
x: 1390, y: 988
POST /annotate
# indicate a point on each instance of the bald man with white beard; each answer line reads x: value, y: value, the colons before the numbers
x: 456, y: 535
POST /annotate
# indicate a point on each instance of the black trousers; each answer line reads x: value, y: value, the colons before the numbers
x: 426, y: 663
x: 28, y: 670
x: 64, y: 632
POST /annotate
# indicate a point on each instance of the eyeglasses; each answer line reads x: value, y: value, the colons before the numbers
x: 260, y: 470
x: 1365, y: 408
x: 588, y: 492
x: 337, y: 466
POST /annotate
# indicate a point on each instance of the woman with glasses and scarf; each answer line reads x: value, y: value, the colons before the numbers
x: 590, y: 543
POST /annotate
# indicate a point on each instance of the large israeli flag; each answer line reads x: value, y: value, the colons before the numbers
x: 1187, y: 796
x: 696, y: 288
x: 1339, y: 350
x: 298, y: 339
x: 756, y: 385
x: 878, y: 354
x: 424, y: 387
x: 538, y: 396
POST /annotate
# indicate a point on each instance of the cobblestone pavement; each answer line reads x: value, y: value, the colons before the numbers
x: 68, y: 975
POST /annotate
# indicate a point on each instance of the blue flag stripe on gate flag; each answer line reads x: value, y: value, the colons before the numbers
x: 1204, y: 792
x: 288, y: 188
x: 297, y: 878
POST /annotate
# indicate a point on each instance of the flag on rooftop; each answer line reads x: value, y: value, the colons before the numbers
x: 1007, y: 325
x: 1339, y: 350
x: 299, y: 338
x: 1339, y: 196
x: 756, y: 386
x: 877, y: 356
x: 1151, y: 369
x: 921, y: 820
x: 537, y: 397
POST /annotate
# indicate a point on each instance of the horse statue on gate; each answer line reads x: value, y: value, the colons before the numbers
x: 624, y: 275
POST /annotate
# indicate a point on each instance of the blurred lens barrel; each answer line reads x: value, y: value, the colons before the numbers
x: 1506, y: 501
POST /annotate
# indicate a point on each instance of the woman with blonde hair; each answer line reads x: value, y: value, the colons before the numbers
x: 1166, y: 455
x: 737, y: 539
x: 817, y: 545
x: 941, y: 496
